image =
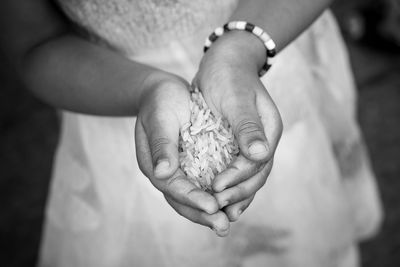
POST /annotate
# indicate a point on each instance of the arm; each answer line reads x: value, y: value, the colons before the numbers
x: 65, y: 70
x: 284, y: 20
x: 230, y: 84
x: 70, y: 73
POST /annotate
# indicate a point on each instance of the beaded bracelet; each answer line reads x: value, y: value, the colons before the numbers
x: 246, y: 26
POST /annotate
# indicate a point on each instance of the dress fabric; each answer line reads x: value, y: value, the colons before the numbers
x: 319, y: 201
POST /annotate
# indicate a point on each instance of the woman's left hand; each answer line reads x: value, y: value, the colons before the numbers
x: 228, y: 79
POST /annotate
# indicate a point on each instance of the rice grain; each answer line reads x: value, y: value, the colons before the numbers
x: 206, y: 144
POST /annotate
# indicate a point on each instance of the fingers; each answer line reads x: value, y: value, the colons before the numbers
x: 177, y: 186
x: 235, y: 210
x: 143, y: 154
x: 218, y: 221
x: 162, y: 136
x: 180, y: 189
x: 270, y: 118
x: 244, y: 189
x: 238, y: 171
x: 164, y: 108
x: 241, y: 112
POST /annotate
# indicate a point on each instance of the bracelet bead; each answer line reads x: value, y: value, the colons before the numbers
x: 265, y: 37
x: 213, y: 37
x: 271, y: 53
x: 257, y: 31
x: 251, y: 28
x: 240, y: 25
x: 219, y: 31
x: 270, y: 44
x: 232, y: 25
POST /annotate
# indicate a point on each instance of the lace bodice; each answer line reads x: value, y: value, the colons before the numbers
x: 133, y: 25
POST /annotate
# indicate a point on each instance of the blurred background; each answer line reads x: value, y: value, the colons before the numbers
x: 29, y: 133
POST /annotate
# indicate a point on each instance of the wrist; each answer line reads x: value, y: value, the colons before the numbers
x: 239, y: 50
x: 159, y: 80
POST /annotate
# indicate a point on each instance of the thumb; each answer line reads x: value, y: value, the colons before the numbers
x: 162, y: 134
x: 242, y: 114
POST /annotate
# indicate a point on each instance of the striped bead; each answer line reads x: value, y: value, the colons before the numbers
x: 270, y: 44
x: 257, y: 31
x: 241, y: 25
x: 232, y: 25
x: 265, y: 37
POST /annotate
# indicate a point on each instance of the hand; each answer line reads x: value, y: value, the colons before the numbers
x: 228, y: 78
x: 163, y: 111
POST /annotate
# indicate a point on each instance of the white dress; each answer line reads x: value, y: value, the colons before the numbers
x: 319, y: 201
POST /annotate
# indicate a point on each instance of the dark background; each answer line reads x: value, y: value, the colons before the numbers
x: 29, y: 132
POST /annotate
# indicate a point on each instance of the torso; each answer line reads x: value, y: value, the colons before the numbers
x: 133, y: 25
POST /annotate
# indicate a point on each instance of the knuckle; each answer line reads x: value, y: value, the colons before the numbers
x: 243, y: 167
x: 252, y: 169
x: 174, y: 181
x: 247, y: 166
x: 157, y: 147
x: 191, y: 192
x: 247, y: 126
x: 237, y: 99
x: 241, y: 192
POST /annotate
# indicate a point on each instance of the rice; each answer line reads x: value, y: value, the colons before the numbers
x: 206, y: 144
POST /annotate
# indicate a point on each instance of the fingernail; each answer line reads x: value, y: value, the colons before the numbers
x: 236, y: 216
x: 258, y: 149
x: 239, y: 212
x: 221, y: 233
x: 162, y: 166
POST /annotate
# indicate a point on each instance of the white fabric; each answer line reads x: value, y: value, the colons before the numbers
x: 318, y: 202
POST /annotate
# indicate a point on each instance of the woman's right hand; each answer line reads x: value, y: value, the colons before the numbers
x: 164, y: 109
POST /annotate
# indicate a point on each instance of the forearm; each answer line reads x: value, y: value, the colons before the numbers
x: 73, y: 74
x: 284, y: 20
x: 65, y: 70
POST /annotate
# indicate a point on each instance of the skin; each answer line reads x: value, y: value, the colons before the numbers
x: 68, y: 72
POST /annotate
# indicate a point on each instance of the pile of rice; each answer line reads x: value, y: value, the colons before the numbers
x: 206, y: 144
